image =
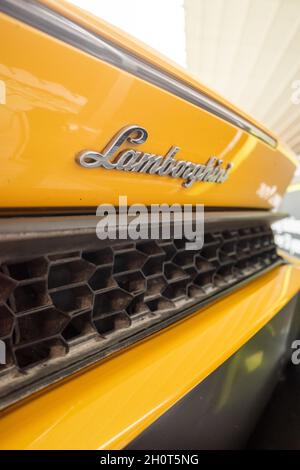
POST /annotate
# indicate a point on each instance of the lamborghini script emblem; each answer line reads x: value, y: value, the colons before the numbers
x: 134, y: 161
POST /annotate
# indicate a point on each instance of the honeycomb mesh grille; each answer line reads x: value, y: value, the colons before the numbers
x: 59, y: 307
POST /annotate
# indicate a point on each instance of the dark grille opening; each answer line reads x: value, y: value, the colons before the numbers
x: 41, y: 324
x: 69, y: 273
x: 203, y: 265
x: 79, y: 325
x: 184, y: 258
x: 154, y: 265
x: 28, y: 270
x: 6, y: 320
x: 149, y: 248
x: 155, y: 285
x: 7, y: 286
x: 111, y: 301
x: 133, y: 282
x: 112, y: 323
x: 99, y: 257
x: 160, y: 304
x: 128, y: 261
x: 30, y: 296
x: 192, y: 272
x: 73, y: 299
x: 62, y: 310
x: 169, y: 249
x: 196, y: 292
x: 210, y: 251
x: 39, y: 352
x: 176, y: 290
x: 102, y: 279
x: 137, y: 306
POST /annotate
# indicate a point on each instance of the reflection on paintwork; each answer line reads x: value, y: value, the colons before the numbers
x: 2, y: 92
x: 225, y: 388
x: 61, y: 100
x: 232, y: 146
x: 26, y: 91
x: 254, y: 361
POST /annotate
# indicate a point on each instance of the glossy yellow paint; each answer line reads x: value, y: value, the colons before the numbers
x: 111, y: 403
x: 117, y: 36
x: 60, y: 100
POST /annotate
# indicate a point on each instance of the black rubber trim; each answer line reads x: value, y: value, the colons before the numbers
x: 18, y: 234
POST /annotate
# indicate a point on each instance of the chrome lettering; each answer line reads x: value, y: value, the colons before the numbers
x: 138, y: 162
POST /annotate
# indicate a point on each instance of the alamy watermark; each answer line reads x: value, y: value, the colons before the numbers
x: 2, y: 352
x: 295, y: 96
x: 296, y: 354
x: 157, y: 221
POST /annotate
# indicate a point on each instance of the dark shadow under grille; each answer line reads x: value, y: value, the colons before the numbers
x: 67, y: 309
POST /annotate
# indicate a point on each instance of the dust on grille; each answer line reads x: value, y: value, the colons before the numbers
x: 57, y: 308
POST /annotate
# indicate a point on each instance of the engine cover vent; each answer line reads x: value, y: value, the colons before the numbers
x: 62, y: 309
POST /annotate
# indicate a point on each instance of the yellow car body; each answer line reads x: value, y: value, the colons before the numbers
x: 58, y: 100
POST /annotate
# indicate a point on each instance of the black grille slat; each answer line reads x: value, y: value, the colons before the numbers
x: 49, y: 304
